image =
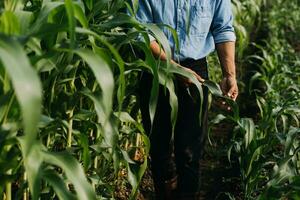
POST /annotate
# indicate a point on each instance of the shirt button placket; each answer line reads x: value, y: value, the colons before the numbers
x: 179, y: 18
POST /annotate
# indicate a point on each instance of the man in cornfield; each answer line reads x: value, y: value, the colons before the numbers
x: 202, y: 26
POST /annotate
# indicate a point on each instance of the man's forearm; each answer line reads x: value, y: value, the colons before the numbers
x: 158, y: 52
x: 228, y: 84
x: 226, y: 54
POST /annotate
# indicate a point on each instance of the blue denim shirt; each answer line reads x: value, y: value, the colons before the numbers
x: 200, y: 24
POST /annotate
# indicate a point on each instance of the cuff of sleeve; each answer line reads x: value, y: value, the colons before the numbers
x: 228, y: 36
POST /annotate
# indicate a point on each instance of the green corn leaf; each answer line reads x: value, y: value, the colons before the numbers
x: 290, y: 140
x: 162, y: 39
x: 248, y: 126
x: 147, y: 144
x: 125, y: 117
x: 103, y: 76
x: 42, y: 18
x: 119, y: 20
x: 32, y: 162
x: 84, y: 144
x: 110, y: 133
x: 127, y: 158
x: 25, y: 18
x: 168, y: 82
x: 13, y: 5
x: 132, y: 179
x: 135, y: 174
x: 58, y: 185
x: 173, y: 101
x: 72, y: 23
x: 175, y: 69
x: 135, y: 5
x: 116, y: 155
x: 119, y: 60
x: 251, y: 159
x: 6, y: 101
x: 282, y: 171
x: 9, y: 23
x: 213, y: 87
x: 151, y: 64
x: 98, y: 106
x: 89, y: 4
x: 79, y: 14
x: 284, y: 120
x: 229, y: 152
x: 73, y: 171
x: 26, y: 84
x: 154, y: 93
x: 218, y: 119
x: 174, y: 34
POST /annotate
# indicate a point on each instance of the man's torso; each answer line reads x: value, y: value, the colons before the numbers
x: 192, y: 20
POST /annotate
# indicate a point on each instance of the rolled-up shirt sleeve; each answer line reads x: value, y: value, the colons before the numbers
x: 144, y: 14
x: 222, y: 24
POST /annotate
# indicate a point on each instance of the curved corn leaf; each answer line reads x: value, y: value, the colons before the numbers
x: 79, y: 14
x: 151, y: 64
x: 26, y: 84
x: 135, y: 5
x: 167, y: 80
x: 103, y: 76
x: 248, y: 126
x: 42, y: 18
x: 120, y: 63
x: 174, y: 34
x: 72, y: 23
x: 162, y: 39
x: 74, y: 172
x: 9, y: 23
x: 118, y: 20
x: 110, y: 133
x: 25, y: 19
x: 175, y: 69
x: 213, y: 87
x: 32, y: 162
x: 58, y: 185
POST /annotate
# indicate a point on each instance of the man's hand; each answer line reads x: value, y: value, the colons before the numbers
x: 229, y: 87
x: 226, y: 56
x: 159, y: 53
x: 186, y: 81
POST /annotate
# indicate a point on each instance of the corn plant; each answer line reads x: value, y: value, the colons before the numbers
x: 70, y: 125
x: 247, y: 21
x: 267, y: 147
x: 279, y: 111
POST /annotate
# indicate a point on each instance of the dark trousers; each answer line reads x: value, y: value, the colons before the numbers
x: 180, y: 158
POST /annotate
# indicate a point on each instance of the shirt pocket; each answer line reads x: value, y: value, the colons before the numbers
x: 201, y: 18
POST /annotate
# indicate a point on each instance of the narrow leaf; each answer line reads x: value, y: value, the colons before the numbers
x: 26, y: 84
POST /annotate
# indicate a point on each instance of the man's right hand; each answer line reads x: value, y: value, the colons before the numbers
x: 159, y: 53
x: 186, y: 81
x: 229, y: 87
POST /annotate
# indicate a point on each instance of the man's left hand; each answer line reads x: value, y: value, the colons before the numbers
x: 229, y: 87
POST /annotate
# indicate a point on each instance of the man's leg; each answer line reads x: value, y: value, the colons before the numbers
x: 161, y: 151
x: 190, y: 135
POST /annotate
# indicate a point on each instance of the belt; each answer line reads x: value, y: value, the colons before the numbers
x: 192, y: 63
x: 199, y: 66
